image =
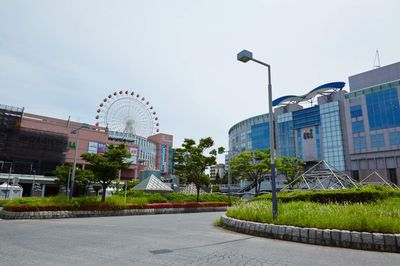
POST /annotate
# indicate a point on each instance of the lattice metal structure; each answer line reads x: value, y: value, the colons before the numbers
x: 376, y: 179
x: 322, y: 176
x: 128, y: 112
x: 26, y: 150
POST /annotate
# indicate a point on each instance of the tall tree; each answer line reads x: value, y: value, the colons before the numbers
x: 190, y: 161
x: 106, y: 167
x: 290, y: 167
x: 217, y: 178
x: 82, y: 177
x: 251, y: 166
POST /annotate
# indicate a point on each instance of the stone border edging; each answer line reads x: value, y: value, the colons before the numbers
x: 125, y: 212
x: 325, y: 237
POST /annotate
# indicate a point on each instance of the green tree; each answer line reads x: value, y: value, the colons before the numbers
x: 217, y: 178
x: 82, y: 177
x: 190, y: 161
x: 106, y: 167
x: 290, y: 167
x: 251, y: 166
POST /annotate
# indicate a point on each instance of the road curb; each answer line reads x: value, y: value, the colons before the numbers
x: 10, y: 215
x: 323, y: 237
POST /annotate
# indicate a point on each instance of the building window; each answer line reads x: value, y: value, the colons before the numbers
x: 259, y: 136
x: 392, y: 175
x: 383, y: 108
x: 377, y: 141
x: 394, y: 138
x: 356, y: 111
x: 286, y: 139
x: 357, y: 126
x: 359, y: 143
x: 355, y: 174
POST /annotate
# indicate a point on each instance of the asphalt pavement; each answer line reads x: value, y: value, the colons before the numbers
x: 172, y: 239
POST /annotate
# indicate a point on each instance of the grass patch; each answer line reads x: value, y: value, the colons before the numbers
x: 382, y: 216
x: 218, y: 222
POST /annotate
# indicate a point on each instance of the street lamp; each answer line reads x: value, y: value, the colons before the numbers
x: 229, y: 178
x: 75, y: 131
x: 245, y: 56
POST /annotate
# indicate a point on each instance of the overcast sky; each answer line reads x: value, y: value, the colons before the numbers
x: 61, y: 58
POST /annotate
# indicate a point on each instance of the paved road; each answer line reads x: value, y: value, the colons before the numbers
x: 176, y: 239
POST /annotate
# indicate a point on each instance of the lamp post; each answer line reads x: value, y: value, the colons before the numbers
x: 33, y: 183
x: 245, y: 56
x: 229, y: 179
x: 8, y: 180
x: 75, y: 131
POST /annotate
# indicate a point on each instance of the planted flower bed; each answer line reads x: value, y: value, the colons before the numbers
x: 135, y: 203
x: 108, y: 207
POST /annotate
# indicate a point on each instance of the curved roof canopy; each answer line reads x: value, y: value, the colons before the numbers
x: 324, y: 89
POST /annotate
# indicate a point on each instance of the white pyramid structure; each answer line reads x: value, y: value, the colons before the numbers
x: 376, y: 179
x: 191, y: 189
x: 153, y: 184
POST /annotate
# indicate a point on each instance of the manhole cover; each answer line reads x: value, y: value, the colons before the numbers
x: 160, y: 251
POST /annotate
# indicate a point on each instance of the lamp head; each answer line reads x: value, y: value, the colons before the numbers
x: 244, y: 56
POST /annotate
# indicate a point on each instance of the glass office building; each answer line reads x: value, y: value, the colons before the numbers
x: 250, y: 134
x: 357, y: 132
x: 373, y: 123
x: 312, y: 134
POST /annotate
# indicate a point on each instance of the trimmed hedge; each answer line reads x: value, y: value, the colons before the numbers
x: 354, y: 195
x: 175, y: 197
x: 134, y: 199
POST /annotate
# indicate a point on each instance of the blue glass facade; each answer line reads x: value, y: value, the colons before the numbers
x: 306, y: 117
x: 260, y: 136
x: 286, y: 139
x: 357, y: 126
x: 356, y: 111
x: 332, y: 137
x: 318, y: 141
x: 383, y: 109
x: 242, y: 139
x: 377, y: 141
x: 359, y: 143
x: 394, y: 138
x: 299, y: 144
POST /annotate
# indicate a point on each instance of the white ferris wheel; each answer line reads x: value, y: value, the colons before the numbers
x: 127, y: 112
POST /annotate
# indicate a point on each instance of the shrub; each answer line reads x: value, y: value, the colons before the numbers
x: 2, y: 202
x: 156, y: 198
x: 116, y: 202
x: 361, y: 194
x: 180, y: 197
x: 215, y: 188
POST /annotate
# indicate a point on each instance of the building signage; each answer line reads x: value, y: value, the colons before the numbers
x: 163, y: 162
x: 92, y: 148
x: 97, y: 147
x: 101, y: 148
x: 308, y: 134
x: 134, y: 152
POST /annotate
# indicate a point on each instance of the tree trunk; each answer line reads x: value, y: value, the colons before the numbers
x: 198, y: 193
x: 257, y: 189
x: 103, y: 196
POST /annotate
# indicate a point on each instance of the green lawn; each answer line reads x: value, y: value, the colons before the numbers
x: 381, y: 216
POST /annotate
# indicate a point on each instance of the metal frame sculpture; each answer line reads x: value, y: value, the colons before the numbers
x: 322, y: 176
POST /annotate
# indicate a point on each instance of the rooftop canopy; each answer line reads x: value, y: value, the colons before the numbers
x: 324, y: 89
